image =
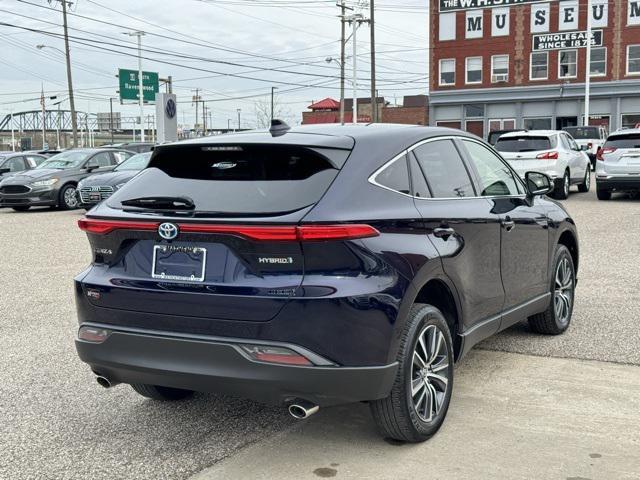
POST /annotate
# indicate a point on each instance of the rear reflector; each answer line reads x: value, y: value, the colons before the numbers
x: 286, y: 233
x: 92, y: 334
x: 269, y: 354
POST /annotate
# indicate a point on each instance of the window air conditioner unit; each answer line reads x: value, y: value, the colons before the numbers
x: 499, y: 78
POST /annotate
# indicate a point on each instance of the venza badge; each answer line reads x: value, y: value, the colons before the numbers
x: 168, y: 231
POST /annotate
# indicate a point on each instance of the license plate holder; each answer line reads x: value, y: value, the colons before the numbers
x: 179, y: 263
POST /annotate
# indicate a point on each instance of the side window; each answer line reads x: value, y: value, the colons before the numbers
x: 444, y: 169
x: 34, y: 160
x: 419, y: 187
x: 16, y: 164
x: 574, y: 145
x: 395, y: 176
x: 102, y: 159
x: 495, y: 177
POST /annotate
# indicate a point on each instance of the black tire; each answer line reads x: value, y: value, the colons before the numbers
x: 586, y: 181
x: 157, y: 392
x: 603, y: 194
x: 23, y: 208
x: 67, y: 201
x: 551, y: 321
x: 396, y: 415
x: 561, y: 191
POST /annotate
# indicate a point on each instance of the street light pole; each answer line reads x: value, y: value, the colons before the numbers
x: 239, y: 110
x: 72, y: 105
x: 343, y: 24
x: 140, y: 34
x: 587, y: 82
x: 111, y: 118
x: 13, y: 135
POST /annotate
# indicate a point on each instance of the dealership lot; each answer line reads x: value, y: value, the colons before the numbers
x: 56, y: 422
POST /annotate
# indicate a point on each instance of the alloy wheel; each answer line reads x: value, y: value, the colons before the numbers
x: 587, y: 179
x: 563, y: 294
x: 429, y: 373
x: 565, y: 186
x: 70, y: 199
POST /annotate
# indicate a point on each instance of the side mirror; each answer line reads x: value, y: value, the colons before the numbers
x: 538, y: 183
x: 584, y: 148
x: 91, y: 166
x: 4, y: 170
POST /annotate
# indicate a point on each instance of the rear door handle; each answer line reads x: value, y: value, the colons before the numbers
x: 508, y: 224
x: 443, y: 233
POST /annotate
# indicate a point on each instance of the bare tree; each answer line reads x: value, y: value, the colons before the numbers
x: 263, y: 112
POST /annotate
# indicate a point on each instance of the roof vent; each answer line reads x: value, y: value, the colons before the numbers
x: 278, y: 128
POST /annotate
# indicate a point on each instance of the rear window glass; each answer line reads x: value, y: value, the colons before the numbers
x: 525, y: 144
x: 631, y: 140
x: 583, y: 133
x: 238, y: 180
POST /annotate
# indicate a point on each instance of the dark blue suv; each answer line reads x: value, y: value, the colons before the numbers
x: 320, y: 265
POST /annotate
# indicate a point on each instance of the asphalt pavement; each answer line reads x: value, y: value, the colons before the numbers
x: 56, y: 422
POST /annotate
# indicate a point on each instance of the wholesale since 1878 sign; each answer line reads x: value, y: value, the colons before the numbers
x: 562, y: 40
x: 454, y: 5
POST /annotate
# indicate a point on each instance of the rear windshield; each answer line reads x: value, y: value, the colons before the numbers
x: 583, y: 133
x: 631, y: 140
x: 228, y: 180
x: 524, y: 144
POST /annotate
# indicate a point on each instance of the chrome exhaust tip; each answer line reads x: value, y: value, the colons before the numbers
x: 301, y: 409
x: 105, y: 382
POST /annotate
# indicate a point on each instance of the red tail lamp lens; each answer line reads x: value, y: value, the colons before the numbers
x: 548, y: 156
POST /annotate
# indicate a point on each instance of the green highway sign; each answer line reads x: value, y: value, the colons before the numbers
x: 129, y: 85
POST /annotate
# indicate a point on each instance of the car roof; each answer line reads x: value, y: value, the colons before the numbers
x: 530, y: 133
x: 329, y: 135
x: 626, y: 131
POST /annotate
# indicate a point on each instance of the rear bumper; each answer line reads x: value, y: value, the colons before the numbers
x: 620, y: 183
x: 213, y: 364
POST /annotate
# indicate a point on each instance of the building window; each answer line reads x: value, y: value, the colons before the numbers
x: 630, y: 120
x: 542, y: 123
x: 473, y: 69
x: 567, y: 63
x: 447, y: 30
x: 539, y: 66
x: 499, y: 68
x: 633, y: 60
x: 474, y: 111
x: 598, y: 62
x: 448, y: 71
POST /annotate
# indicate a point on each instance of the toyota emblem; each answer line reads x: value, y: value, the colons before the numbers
x: 168, y: 231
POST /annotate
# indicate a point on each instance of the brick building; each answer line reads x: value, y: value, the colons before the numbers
x: 414, y: 110
x: 499, y: 64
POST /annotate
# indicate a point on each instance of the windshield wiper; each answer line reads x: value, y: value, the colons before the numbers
x: 160, y: 203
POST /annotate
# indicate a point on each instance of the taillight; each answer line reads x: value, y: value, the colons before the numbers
x: 275, y: 233
x: 548, y: 156
x: 603, y: 151
x: 93, y: 335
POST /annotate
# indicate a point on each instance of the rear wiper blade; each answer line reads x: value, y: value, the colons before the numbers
x: 160, y: 203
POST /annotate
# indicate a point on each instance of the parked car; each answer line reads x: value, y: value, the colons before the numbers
x: 552, y: 152
x: 618, y: 164
x: 137, y: 147
x: 98, y: 187
x: 319, y: 266
x: 15, y: 162
x: 591, y: 137
x: 53, y: 182
x: 494, y: 135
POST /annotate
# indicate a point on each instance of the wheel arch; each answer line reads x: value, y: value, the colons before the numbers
x: 569, y: 240
x: 65, y: 184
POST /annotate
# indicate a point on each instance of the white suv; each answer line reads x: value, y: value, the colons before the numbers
x: 591, y: 137
x: 552, y: 152
x: 618, y: 164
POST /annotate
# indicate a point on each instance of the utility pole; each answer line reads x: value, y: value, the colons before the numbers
x: 204, y: 119
x: 239, y: 111
x: 272, y: 90
x: 72, y: 105
x: 196, y: 100
x: 44, y: 120
x: 374, y: 97
x: 140, y: 34
x: 355, y: 20
x: 228, y: 125
x: 111, y: 118
x: 587, y: 81
x: 343, y: 22
x: 13, y: 134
